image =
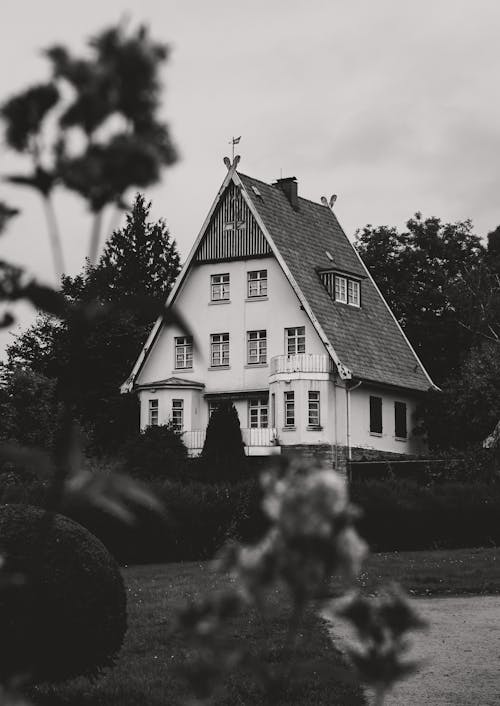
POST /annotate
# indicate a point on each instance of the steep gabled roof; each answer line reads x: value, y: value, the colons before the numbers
x: 365, y: 342
x: 368, y: 340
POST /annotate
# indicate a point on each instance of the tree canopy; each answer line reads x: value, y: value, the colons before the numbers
x: 421, y: 273
x: 140, y: 259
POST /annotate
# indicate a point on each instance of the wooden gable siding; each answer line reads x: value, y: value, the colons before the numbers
x: 233, y: 232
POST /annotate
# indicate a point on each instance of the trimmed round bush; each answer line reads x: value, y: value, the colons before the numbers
x: 67, y: 616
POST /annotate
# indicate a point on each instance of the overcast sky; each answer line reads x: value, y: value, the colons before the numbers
x: 394, y: 106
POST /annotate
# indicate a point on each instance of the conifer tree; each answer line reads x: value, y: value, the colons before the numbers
x: 223, y: 454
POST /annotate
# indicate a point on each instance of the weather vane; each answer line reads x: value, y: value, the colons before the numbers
x: 234, y: 161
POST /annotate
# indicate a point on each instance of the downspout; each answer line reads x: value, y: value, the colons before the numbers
x: 348, y: 391
x: 335, y: 426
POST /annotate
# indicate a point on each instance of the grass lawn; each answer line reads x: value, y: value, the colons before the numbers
x: 146, y: 673
x: 441, y: 572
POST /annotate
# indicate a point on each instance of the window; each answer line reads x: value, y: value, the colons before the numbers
x: 178, y: 414
x: 375, y: 415
x: 289, y: 409
x: 295, y: 340
x: 313, y: 409
x: 219, y: 350
x: 153, y: 413
x: 400, y: 425
x: 212, y: 406
x: 257, y: 284
x: 341, y: 288
x: 219, y: 287
x: 256, y: 347
x: 352, y: 292
x: 257, y: 414
x: 183, y: 352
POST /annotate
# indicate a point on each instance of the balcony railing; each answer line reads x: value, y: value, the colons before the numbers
x: 194, y: 440
x: 301, y: 363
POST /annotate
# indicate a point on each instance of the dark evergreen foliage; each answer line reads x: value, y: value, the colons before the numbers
x: 223, y: 455
x: 140, y: 259
x: 68, y: 618
x: 156, y: 453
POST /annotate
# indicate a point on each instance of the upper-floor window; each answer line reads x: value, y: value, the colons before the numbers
x: 183, y: 352
x: 346, y: 290
x: 313, y: 410
x: 256, y: 347
x: 219, y: 287
x: 258, y: 413
x: 219, y: 350
x: 289, y: 402
x: 375, y: 415
x: 342, y: 288
x: 295, y: 340
x: 400, y: 420
x: 153, y: 413
x: 178, y: 414
x: 257, y: 284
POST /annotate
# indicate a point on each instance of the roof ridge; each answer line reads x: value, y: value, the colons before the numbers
x: 301, y: 198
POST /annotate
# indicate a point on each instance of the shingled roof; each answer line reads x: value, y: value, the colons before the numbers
x: 367, y: 340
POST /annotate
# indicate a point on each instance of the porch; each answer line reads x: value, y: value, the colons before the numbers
x: 258, y: 442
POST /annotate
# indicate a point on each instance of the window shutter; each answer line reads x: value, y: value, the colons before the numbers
x: 400, y: 427
x: 376, y: 414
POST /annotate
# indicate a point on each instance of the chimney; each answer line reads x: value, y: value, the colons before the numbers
x: 288, y: 186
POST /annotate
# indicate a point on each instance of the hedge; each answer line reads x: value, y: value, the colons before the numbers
x: 400, y: 515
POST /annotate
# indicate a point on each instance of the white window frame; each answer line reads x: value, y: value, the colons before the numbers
x: 341, y: 289
x: 353, y: 292
x: 178, y: 414
x: 313, y: 409
x: 289, y: 408
x: 183, y: 352
x: 295, y: 340
x: 153, y: 412
x: 219, y: 350
x: 257, y: 347
x: 219, y: 287
x: 258, y: 413
x: 256, y: 284
x: 212, y: 406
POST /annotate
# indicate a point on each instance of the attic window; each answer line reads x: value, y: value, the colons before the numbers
x: 341, y: 288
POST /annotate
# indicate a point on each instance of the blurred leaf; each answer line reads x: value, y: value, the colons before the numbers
x: 24, y: 114
x: 14, y: 285
x: 41, y: 180
x: 6, y: 213
x: 6, y: 320
x: 118, y: 495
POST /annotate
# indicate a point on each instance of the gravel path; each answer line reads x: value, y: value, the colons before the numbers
x: 461, y: 650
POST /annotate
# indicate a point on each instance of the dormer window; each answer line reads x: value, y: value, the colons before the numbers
x: 342, y: 288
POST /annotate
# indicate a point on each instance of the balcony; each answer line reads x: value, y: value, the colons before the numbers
x: 301, y: 363
x: 258, y: 442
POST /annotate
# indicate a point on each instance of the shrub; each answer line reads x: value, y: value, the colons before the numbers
x: 68, y: 618
x: 158, y: 452
x: 223, y: 451
x: 401, y: 515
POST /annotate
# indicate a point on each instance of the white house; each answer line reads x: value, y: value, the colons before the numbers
x: 289, y: 325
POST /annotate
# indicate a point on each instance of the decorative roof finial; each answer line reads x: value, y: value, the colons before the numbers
x: 329, y: 203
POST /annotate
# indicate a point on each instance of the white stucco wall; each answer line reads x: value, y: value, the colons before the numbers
x: 280, y: 310
x: 359, y: 418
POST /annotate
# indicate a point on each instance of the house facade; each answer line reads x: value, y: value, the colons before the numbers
x: 286, y: 322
